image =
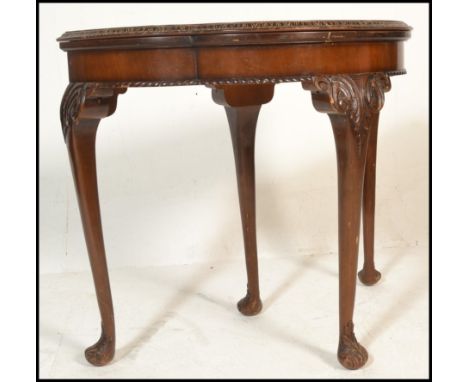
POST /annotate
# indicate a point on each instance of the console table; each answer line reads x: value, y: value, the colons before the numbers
x: 345, y: 65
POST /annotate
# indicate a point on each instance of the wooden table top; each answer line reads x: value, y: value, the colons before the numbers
x: 238, y: 33
x: 234, y: 53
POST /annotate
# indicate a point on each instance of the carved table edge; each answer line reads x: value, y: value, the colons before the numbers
x: 239, y: 27
x: 230, y: 81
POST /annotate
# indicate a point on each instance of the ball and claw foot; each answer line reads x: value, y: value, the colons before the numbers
x: 351, y: 354
x: 250, y: 306
x: 369, y: 277
x: 101, y: 353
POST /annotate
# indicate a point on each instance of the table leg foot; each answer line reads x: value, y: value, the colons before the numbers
x: 369, y: 277
x: 351, y: 354
x: 102, y: 352
x: 250, y: 305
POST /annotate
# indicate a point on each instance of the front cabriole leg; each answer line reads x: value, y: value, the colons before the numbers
x: 352, y: 103
x: 83, y: 106
x: 242, y: 104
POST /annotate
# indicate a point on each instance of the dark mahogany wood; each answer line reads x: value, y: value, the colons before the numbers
x: 369, y: 275
x: 234, y: 52
x: 242, y: 104
x: 345, y: 64
x: 81, y: 111
x: 352, y: 103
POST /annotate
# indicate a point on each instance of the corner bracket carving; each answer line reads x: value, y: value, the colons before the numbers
x: 358, y: 97
x: 87, y: 101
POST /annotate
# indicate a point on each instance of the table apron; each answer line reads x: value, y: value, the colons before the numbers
x: 224, y: 63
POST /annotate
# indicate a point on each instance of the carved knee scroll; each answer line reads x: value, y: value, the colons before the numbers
x: 357, y: 97
x: 82, y: 101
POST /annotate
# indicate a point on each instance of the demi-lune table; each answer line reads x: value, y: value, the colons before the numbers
x: 346, y: 65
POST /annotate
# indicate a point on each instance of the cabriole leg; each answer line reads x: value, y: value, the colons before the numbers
x: 369, y: 275
x: 242, y: 104
x: 352, y: 104
x: 82, y: 108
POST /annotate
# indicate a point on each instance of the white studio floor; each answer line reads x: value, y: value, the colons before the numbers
x: 182, y: 321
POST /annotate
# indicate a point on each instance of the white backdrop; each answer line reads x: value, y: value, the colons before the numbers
x: 165, y: 164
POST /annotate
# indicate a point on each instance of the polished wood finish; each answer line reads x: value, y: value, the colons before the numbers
x: 204, y: 53
x: 233, y: 62
x: 369, y: 275
x: 352, y: 103
x: 344, y: 64
x: 242, y: 104
x: 249, y: 27
x: 81, y: 111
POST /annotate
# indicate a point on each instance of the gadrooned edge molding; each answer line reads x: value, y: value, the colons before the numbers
x: 237, y: 27
x: 214, y: 82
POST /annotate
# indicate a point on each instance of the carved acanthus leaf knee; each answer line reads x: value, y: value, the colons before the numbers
x: 83, y: 100
x: 358, y: 97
